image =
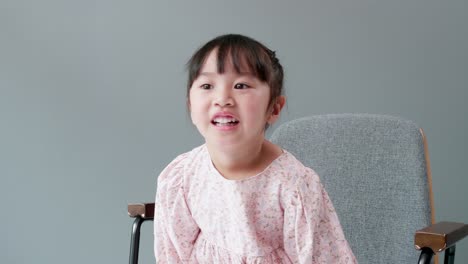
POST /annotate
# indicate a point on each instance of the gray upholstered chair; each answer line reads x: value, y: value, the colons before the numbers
x: 376, y: 171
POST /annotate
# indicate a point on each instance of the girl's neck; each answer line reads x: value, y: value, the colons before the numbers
x: 243, y: 162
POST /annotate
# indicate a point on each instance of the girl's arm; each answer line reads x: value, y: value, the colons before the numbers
x: 312, y: 231
x: 175, y: 232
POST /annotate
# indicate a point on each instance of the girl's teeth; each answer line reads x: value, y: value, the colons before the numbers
x: 223, y: 120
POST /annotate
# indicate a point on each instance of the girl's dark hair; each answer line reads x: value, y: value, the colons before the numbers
x: 241, y: 49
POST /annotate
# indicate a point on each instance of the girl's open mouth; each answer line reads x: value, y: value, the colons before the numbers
x: 225, y: 121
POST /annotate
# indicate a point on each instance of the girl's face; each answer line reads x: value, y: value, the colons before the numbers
x: 231, y: 108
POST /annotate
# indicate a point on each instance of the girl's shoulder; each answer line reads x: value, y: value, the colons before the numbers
x: 182, y: 165
x: 293, y: 172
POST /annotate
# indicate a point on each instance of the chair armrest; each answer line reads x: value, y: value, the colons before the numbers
x: 440, y: 236
x: 143, y: 210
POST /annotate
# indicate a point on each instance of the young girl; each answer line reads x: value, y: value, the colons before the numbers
x: 239, y: 198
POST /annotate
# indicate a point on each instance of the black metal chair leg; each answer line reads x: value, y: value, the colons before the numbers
x: 426, y: 256
x: 450, y: 255
x: 135, y: 240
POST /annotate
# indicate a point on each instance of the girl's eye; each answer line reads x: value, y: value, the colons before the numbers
x: 241, y: 86
x: 205, y: 86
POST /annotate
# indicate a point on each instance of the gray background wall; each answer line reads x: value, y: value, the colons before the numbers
x: 92, y: 101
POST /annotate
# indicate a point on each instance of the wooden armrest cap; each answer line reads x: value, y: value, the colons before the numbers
x: 440, y: 236
x: 144, y: 210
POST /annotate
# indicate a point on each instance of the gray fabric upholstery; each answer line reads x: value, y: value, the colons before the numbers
x: 374, y: 170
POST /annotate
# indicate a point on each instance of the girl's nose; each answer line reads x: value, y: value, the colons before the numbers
x: 223, y: 98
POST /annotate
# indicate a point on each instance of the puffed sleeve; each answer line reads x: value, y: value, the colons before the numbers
x: 175, y: 231
x: 312, y: 231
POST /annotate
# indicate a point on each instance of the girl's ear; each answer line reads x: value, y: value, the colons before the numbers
x: 276, y: 109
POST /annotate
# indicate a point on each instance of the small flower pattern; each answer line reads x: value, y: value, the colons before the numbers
x: 281, y: 215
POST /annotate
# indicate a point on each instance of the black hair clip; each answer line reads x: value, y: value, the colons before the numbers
x: 273, y: 56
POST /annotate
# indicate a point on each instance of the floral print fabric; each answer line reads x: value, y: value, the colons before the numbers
x: 281, y: 215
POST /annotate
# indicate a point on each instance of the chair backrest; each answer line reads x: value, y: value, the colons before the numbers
x: 375, y: 171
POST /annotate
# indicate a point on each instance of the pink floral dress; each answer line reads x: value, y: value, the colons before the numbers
x: 281, y: 215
